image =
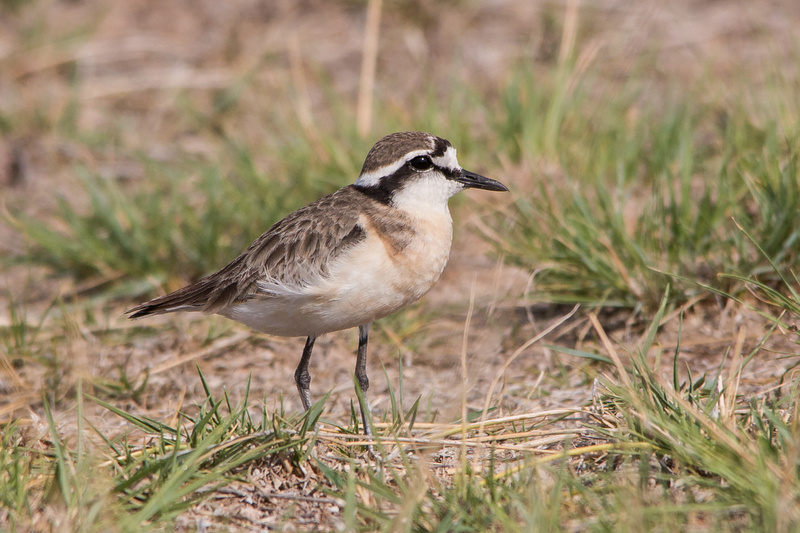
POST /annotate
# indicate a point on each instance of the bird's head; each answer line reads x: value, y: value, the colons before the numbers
x: 416, y: 169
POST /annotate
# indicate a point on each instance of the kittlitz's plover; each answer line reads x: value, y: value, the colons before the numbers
x: 347, y: 259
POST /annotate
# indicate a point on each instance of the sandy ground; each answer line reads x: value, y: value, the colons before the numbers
x: 130, y: 59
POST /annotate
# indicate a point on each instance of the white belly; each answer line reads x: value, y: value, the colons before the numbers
x: 368, y: 282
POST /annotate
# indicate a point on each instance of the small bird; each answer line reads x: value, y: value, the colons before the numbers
x: 347, y: 259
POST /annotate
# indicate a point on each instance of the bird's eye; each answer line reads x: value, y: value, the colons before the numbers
x: 421, y: 162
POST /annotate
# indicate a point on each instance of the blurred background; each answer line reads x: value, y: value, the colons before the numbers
x: 202, y: 106
x: 651, y: 149
x: 144, y: 144
x: 110, y: 85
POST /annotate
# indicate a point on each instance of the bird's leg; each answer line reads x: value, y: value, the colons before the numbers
x: 301, y: 376
x: 361, y: 374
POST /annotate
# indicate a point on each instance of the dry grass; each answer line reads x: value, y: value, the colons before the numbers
x: 110, y: 86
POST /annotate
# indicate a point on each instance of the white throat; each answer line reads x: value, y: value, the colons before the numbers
x: 429, y: 192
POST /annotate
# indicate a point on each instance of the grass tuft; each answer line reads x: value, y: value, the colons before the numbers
x: 126, y: 486
x: 657, y: 190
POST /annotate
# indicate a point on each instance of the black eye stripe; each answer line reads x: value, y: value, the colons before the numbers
x: 382, y: 190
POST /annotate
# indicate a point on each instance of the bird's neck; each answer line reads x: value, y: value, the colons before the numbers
x: 426, y: 198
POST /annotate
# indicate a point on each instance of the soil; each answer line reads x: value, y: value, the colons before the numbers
x: 124, y: 62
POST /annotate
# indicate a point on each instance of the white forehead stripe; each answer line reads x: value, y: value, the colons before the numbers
x: 447, y: 160
x: 370, y: 179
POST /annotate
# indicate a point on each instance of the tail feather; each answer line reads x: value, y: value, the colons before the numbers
x: 208, y: 295
x: 169, y: 303
x: 148, y: 309
x: 196, y: 297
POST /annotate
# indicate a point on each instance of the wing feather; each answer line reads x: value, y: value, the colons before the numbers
x: 295, y: 252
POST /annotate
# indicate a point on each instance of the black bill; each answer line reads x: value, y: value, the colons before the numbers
x: 476, y: 181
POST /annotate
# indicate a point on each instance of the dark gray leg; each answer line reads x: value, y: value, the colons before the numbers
x: 361, y: 373
x: 301, y: 376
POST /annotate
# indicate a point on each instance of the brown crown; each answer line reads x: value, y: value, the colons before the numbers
x: 396, y: 145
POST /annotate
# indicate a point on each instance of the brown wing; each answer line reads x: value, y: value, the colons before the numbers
x: 293, y: 251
